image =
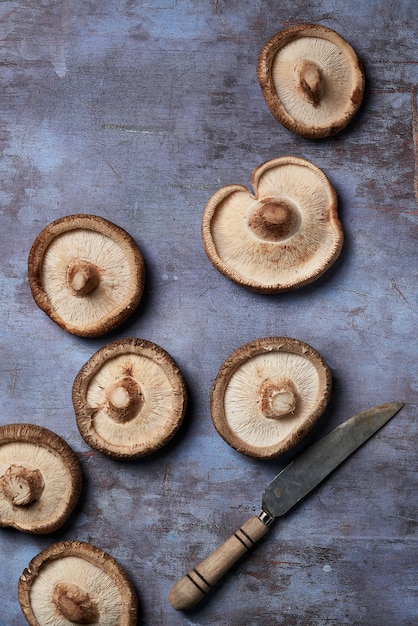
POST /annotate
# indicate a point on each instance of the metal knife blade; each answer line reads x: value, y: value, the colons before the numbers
x: 293, y: 483
x: 321, y: 458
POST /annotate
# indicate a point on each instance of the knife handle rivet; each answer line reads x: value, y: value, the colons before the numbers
x: 277, y: 492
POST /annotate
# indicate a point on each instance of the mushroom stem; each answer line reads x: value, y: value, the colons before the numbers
x: 22, y: 485
x: 82, y: 277
x: 124, y: 400
x: 278, y: 398
x: 119, y: 398
x: 309, y: 81
x: 273, y: 219
x: 75, y: 604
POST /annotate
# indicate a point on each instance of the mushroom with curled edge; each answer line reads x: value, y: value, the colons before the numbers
x: 312, y: 80
x: 284, y: 236
x: 86, y: 273
x: 129, y: 398
x: 74, y: 582
x: 268, y: 394
x: 40, y: 479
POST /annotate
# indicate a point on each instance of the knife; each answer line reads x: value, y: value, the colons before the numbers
x: 292, y: 484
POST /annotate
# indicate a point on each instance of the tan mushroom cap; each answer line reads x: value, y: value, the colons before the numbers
x: 268, y: 394
x: 312, y: 80
x: 40, y: 479
x: 73, y: 582
x: 86, y: 273
x: 284, y: 236
x: 129, y: 398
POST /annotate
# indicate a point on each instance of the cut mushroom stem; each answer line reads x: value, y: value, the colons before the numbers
x: 74, y: 604
x: 278, y: 399
x: 21, y: 485
x: 124, y: 400
x: 309, y: 81
x: 273, y: 219
x: 83, y: 277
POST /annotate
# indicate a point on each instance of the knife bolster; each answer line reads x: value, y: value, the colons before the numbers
x: 266, y: 518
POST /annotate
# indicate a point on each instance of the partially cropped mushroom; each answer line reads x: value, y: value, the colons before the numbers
x: 40, y: 479
x: 86, y: 273
x: 312, y: 80
x: 268, y: 394
x: 129, y: 398
x: 73, y: 582
x: 284, y: 236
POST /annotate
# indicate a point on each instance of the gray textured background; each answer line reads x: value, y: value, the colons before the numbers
x: 139, y: 111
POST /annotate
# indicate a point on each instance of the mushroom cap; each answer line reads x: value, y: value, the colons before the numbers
x: 284, y: 236
x: 86, y: 273
x: 268, y: 394
x: 129, y: 398
x: 312, y: 80
x: 40, y: 478
x: 73, y: 582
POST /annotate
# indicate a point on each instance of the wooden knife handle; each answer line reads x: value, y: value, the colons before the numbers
x: 192, y: 588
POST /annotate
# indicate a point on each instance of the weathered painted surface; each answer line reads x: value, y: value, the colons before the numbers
x: 139, y: 111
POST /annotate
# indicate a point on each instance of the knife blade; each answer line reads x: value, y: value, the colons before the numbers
x: 292, y: 484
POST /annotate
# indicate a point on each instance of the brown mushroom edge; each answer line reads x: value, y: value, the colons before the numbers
x: 312, y: 80
x: 86, y: 274
x: 76, y: 582
x: 40, y: 479
x: 283, y: 237
x: 129, y: 399
x: 268, y: 394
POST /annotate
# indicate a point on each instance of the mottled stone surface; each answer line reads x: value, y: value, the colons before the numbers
x: 139, y: 112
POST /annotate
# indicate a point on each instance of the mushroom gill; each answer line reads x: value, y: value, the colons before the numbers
x: 284, y: 236
x: 86, y: 273
x: 312, y: 80
x: 40, y: 478
x: 129, y: 398
x: 267, y: 395
x: 76, y: 582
